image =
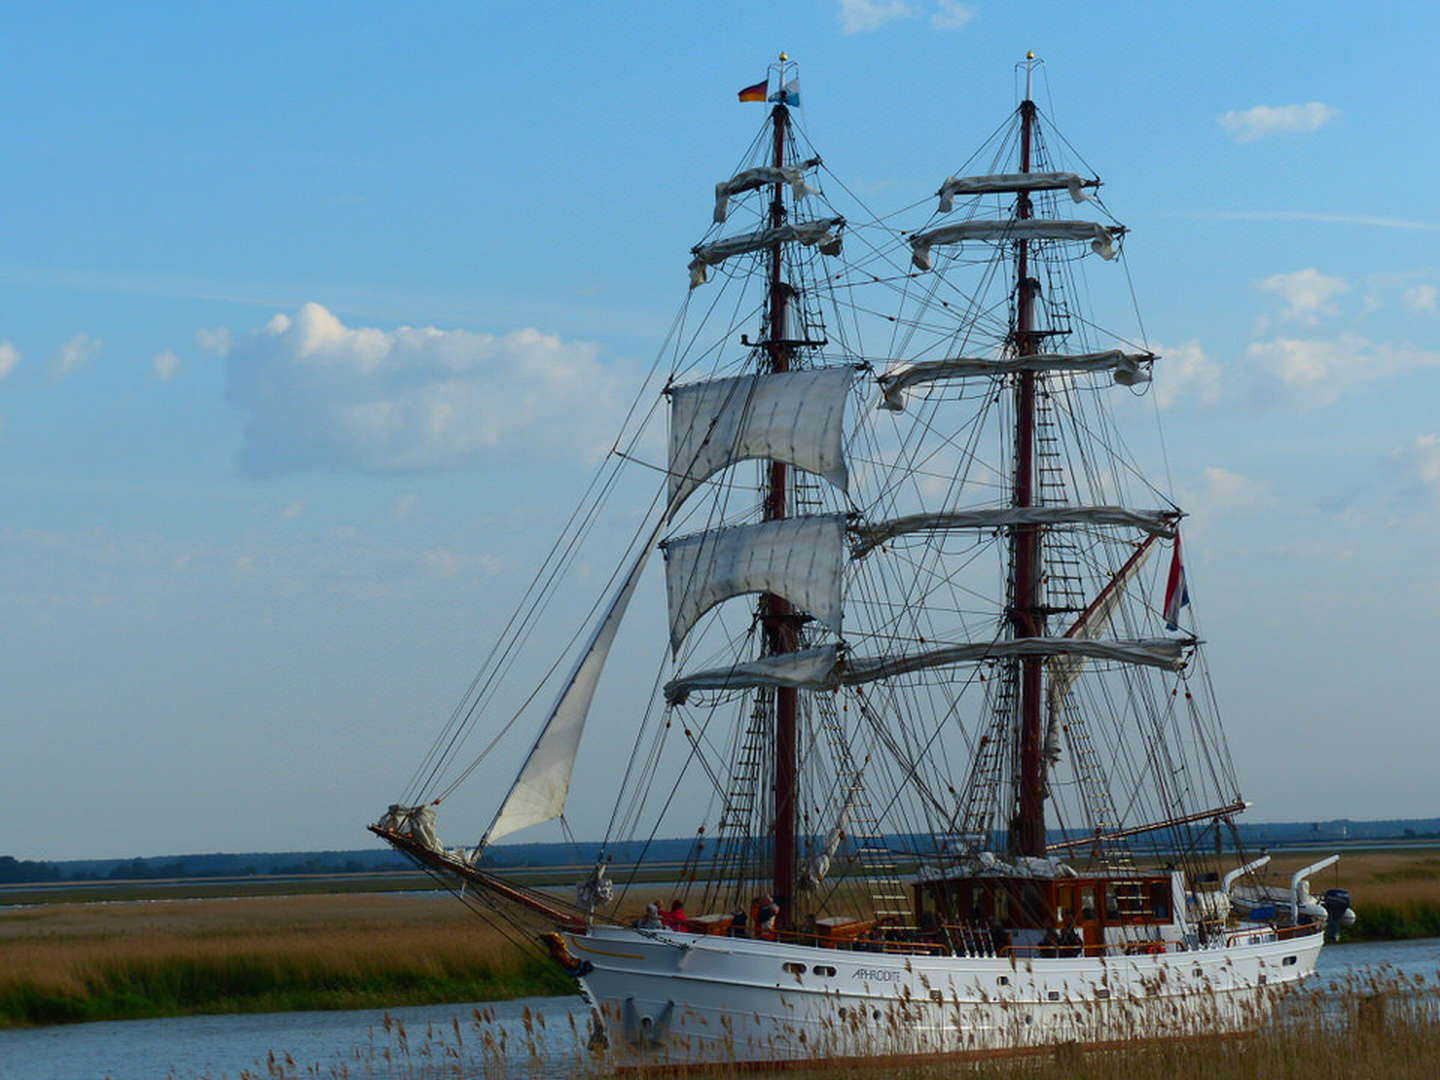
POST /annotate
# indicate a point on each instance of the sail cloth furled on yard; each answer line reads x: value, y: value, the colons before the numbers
x: 1129, y: 369
x: 800, y: 558
x: 1101, y: 237
x: 818, y: 233
x: 796, y: 417
x: 1005, y: 183
x: 870, y: 535
x: 543, y: 783
x: 825, y: 669
x: 751, y: 179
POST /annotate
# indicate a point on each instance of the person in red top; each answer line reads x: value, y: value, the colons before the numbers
x: 674, y: 919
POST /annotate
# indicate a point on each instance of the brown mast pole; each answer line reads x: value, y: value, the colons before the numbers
x: 1027, y: 832
x: 776, y: 614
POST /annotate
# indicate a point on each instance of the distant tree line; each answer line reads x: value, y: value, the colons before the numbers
x: 15, y: 871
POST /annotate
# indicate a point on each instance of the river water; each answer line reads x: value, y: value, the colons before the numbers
x: 540, y: 1037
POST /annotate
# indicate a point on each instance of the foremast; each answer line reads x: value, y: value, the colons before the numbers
x: 1027, y: 618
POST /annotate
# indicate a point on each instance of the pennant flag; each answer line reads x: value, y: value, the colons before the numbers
x: 756, y: 92
x: 789, y: 94
x: 1177, y: 594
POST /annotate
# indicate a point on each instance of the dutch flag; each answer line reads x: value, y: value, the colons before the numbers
x: 1177, y: 595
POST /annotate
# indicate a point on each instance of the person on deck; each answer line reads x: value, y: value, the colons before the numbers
x: 651, y: 919
x: 1050, y: 943
x: 1071, y: 944
x: 674, y: 919
x: 999, y: 938
x: 767, y: 914
x: 737, y: 923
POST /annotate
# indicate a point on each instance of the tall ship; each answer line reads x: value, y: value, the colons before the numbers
x: 933, y: 710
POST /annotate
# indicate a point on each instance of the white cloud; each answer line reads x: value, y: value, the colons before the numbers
x: 9, y: 358
x: 1185, y: 371
x: 1307, y: 293
x: 76, y: 353
x: 952, y: 15
x: 216, y: 340
x: 443, y: 563
x: 860, y: 16
x: 165, y: 364
x: 1310, y: 371
x: 1421, y: 462
x: 321, y: 395
x: 1421, y: 297
x: 1221, y: 489
x: 1247, y: 125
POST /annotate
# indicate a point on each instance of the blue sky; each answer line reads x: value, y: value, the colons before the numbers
x: 240, y: 598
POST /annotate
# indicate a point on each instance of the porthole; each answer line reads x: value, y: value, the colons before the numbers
x: 794, y: 968
x: 823, y: 969
x: 937, y: 996
x: 1053, y: 995
x: 1102, y: 993
x: 1290, y: 961
x: 1003, y: 980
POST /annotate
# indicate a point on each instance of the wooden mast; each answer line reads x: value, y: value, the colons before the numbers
x: 1027, y: 830
x: 777, y: 616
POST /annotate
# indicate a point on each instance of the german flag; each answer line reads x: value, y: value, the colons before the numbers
x: 756, y: 92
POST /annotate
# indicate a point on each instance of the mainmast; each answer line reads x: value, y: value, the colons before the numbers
x: 777, y: 617
x: 1027, y: 618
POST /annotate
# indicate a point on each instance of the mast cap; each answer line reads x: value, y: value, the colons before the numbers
x: 784, y: 57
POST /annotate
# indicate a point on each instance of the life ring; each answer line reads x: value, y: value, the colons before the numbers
x: 1155, y: 948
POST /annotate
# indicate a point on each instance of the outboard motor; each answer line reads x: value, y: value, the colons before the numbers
x: 1336, y: 903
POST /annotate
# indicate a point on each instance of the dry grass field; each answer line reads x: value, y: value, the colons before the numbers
x: 70, y: 962
x: 77, y: 961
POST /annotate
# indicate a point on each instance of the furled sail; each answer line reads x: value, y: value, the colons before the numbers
x: 750, y: 179
x: 800, y: 558
x: 868, y: 536
x: 796, y: 417
x: 820, y: 233
x: 808, y: 669
x: 1093, y: 622
x: 1101, y: 237
x: 539, y: 791
x: 1001, y: 183
x: 1129, y: 369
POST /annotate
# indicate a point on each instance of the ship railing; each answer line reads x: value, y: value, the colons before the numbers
x: 898, y: 945
x: 1257, y: 935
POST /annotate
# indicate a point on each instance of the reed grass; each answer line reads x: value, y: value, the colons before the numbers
x: 126, y: 961
x: 1379, y: 1026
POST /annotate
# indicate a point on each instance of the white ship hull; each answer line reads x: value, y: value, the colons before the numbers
x: 671, y: 998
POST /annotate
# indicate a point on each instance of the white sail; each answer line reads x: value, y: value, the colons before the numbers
x: 801, y: 559
x: 750, y: 179
x: 820, y: 233
x: 1129, y: 369
x: 1101, y: 237
x: 869, y: 536
x: 1152, y: 652
x: 539, y: 791
x: 1002, y: 183
x: 797, y: 417
x: 806, y: 670
x: 1093, y: 622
